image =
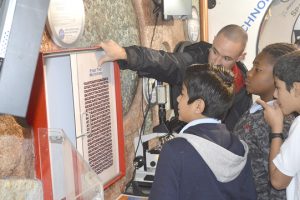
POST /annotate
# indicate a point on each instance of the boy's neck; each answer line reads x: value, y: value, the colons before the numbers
x: 198, y: 117
x: 267, y: 97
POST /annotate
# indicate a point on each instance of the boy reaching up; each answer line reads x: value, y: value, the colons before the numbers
x: 284, y: 157
x: 205, y: 161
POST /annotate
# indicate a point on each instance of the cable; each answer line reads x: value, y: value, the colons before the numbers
x: 156, y: 12
x: 158, y: 7
x: 140, y: 136
x: 144, y: 120
x: 156, y: 20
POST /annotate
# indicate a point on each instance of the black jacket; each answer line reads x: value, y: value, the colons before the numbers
x: 170, y: 68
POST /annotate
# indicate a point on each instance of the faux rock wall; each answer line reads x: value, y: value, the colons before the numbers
x: 16, y: 149
x: 17, y: 161
x: 104, y: 20
x: 21, y: 189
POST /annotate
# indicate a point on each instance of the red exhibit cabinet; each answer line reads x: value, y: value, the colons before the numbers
x: 76, y: 112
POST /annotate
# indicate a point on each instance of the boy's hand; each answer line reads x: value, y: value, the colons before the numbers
x: 113, y: 51
x: 273, y: 116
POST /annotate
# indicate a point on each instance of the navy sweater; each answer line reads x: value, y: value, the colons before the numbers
x: 182, y: 174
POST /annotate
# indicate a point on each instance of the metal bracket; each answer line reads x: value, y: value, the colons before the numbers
x: 56, y: 139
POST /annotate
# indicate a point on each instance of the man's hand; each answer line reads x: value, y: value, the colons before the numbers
x: 273, y: 116
x: 113, y: 51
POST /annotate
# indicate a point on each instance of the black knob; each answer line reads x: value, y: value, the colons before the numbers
x: 152, y: 163
x: 211, y: 4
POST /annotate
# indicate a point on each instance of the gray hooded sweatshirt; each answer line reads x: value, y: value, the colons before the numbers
x: 225, y: 165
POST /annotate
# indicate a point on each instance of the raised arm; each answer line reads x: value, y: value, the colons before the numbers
x: 161, y: 65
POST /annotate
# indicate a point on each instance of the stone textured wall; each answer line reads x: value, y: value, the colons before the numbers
x: 21, y: 189
x: 16, y: 149
x: 17, y: 161
x: 113, y: 19
x: 128, y: 22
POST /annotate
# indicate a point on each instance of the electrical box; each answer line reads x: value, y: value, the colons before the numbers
x: 177, y: 8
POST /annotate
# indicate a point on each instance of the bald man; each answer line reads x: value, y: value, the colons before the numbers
x: 227, y: 49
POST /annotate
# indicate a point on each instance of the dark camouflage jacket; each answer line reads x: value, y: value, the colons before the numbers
x: 253, y: 129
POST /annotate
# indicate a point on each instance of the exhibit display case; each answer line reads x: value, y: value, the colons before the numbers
x: 73, y: 94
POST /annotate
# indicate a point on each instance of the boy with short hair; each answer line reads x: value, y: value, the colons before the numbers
x: 284, y: 158
x: 205, y: 161
x: 252, y: 127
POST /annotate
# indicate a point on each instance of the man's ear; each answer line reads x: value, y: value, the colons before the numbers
x: 199, y: 106
x: 242, y: 57
x: 296, y: 86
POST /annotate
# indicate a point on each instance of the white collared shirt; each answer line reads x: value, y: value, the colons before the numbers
x: 256, y: 107
x: 200, y: 121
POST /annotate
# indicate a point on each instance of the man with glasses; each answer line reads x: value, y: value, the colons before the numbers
x: 227, y: 50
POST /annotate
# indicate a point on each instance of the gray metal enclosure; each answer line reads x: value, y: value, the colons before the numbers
x: 21, y: 27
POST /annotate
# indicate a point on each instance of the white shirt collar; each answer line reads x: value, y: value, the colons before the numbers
x: 256, y: 107
x: 200, y: 121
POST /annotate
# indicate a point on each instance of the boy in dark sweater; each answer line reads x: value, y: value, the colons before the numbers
x: 205, y: 161
x: 284, y: 157
x: 252, y: 128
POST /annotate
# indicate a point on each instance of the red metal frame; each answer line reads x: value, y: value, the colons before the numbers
x: 120, y: 127
x: 37, y: 118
